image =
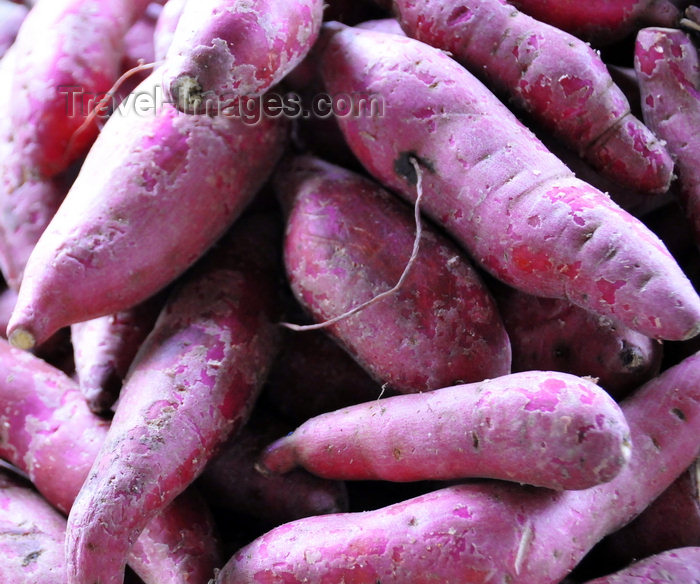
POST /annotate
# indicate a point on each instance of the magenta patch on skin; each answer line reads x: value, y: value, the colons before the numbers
x: 608, y: 289
x: 529, y: 260
x: 572, y: 85
x: 462, y: 512
x: 546, y: 400
x: 459, y: 16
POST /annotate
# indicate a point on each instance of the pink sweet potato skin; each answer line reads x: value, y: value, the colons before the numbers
x: 11, y: 17
x: 491, y: 532
x: 668, y: 70
x: 516, y: 208
x: 28, y: 200
x: 49, y: 433
x: 190, y: 386
x: 81, y: 49
x: 32, y: 533
x: 104, y: 348
x: 557, y: 78
x: 600, y: 21
x: 680, y: 565
x: 165, y: 27
x: 538, y: 427
x: 553, y: 334
x: 225, y: 49
x: 180, y: 546
x: 671, y: 521
x: 234, y: 482
x: 154, y: 193
x: 348, y: 240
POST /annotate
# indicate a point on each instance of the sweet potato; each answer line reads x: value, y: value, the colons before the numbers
x: 668, y: 70
x: 492, y: 531
x: 312, y: 375
x: 155, y: 192
x: 32, y: 533
x: 557, y: 78
x: 669, y: 567
x: 601, y: 21
x: 190, y: 386
x: 227, y: 49
x: 28, y: 200
x: 553, y: 334
x: 539, y: 428
x: 58, y: 81
x: 11, y: 17
x: 347, y: 240
x: 671, y: 521
x: 165, y: 27
x: 49, y: 433
x: 516, y: 208
x: 104, y: 347
x: 233, y: 481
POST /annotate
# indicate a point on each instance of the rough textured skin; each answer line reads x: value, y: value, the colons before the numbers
x: 491, y: 532
x: 31, y: 535
x: 678, y: 566
x: 539, y: 428
x: 226, y: 49
x: 81, y: 48
x: 190, y: 386
x: 233, y: 481
x: 49, y: 433
x: 156, y: 190
x: 313, y: 375
x: 28, y: 200
x: 518, y: 210
x: 180, y: 546
x: 347, y: 240
x: 668, y: 70
x: 671, y: 521
x: 553, y: 334
x: 11, y: 17
x: 557, y: 78
x: 104, y: 347
x: 600, y: 21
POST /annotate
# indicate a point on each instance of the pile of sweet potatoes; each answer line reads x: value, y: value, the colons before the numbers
x: 398, y: 291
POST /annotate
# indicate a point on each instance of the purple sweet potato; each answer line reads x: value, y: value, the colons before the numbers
x: 32, y: 535
x: 601, y: 21
x: 557, y: 78
x: 190, y: 386
x: 227, y: 49
x: 139, y: 46
x: 312, y: 375
x: 58, y: 81
x: 671, y: 521
x: 668, y: 70
x: 516, y: 208
x: 233, y: 481
x: 104, y: 347
x: 11, y: 17
x: 537, y: 427
x: 553, y: 334
x: 157, y: 189
x: 347, y: 240
x: 49, y: 433
x: 492, y: 531
x: 28, y: 200
x: 677, y: 566
x: 165, y: 27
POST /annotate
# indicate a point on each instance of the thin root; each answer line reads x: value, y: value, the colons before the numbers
x: 399, y: 283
